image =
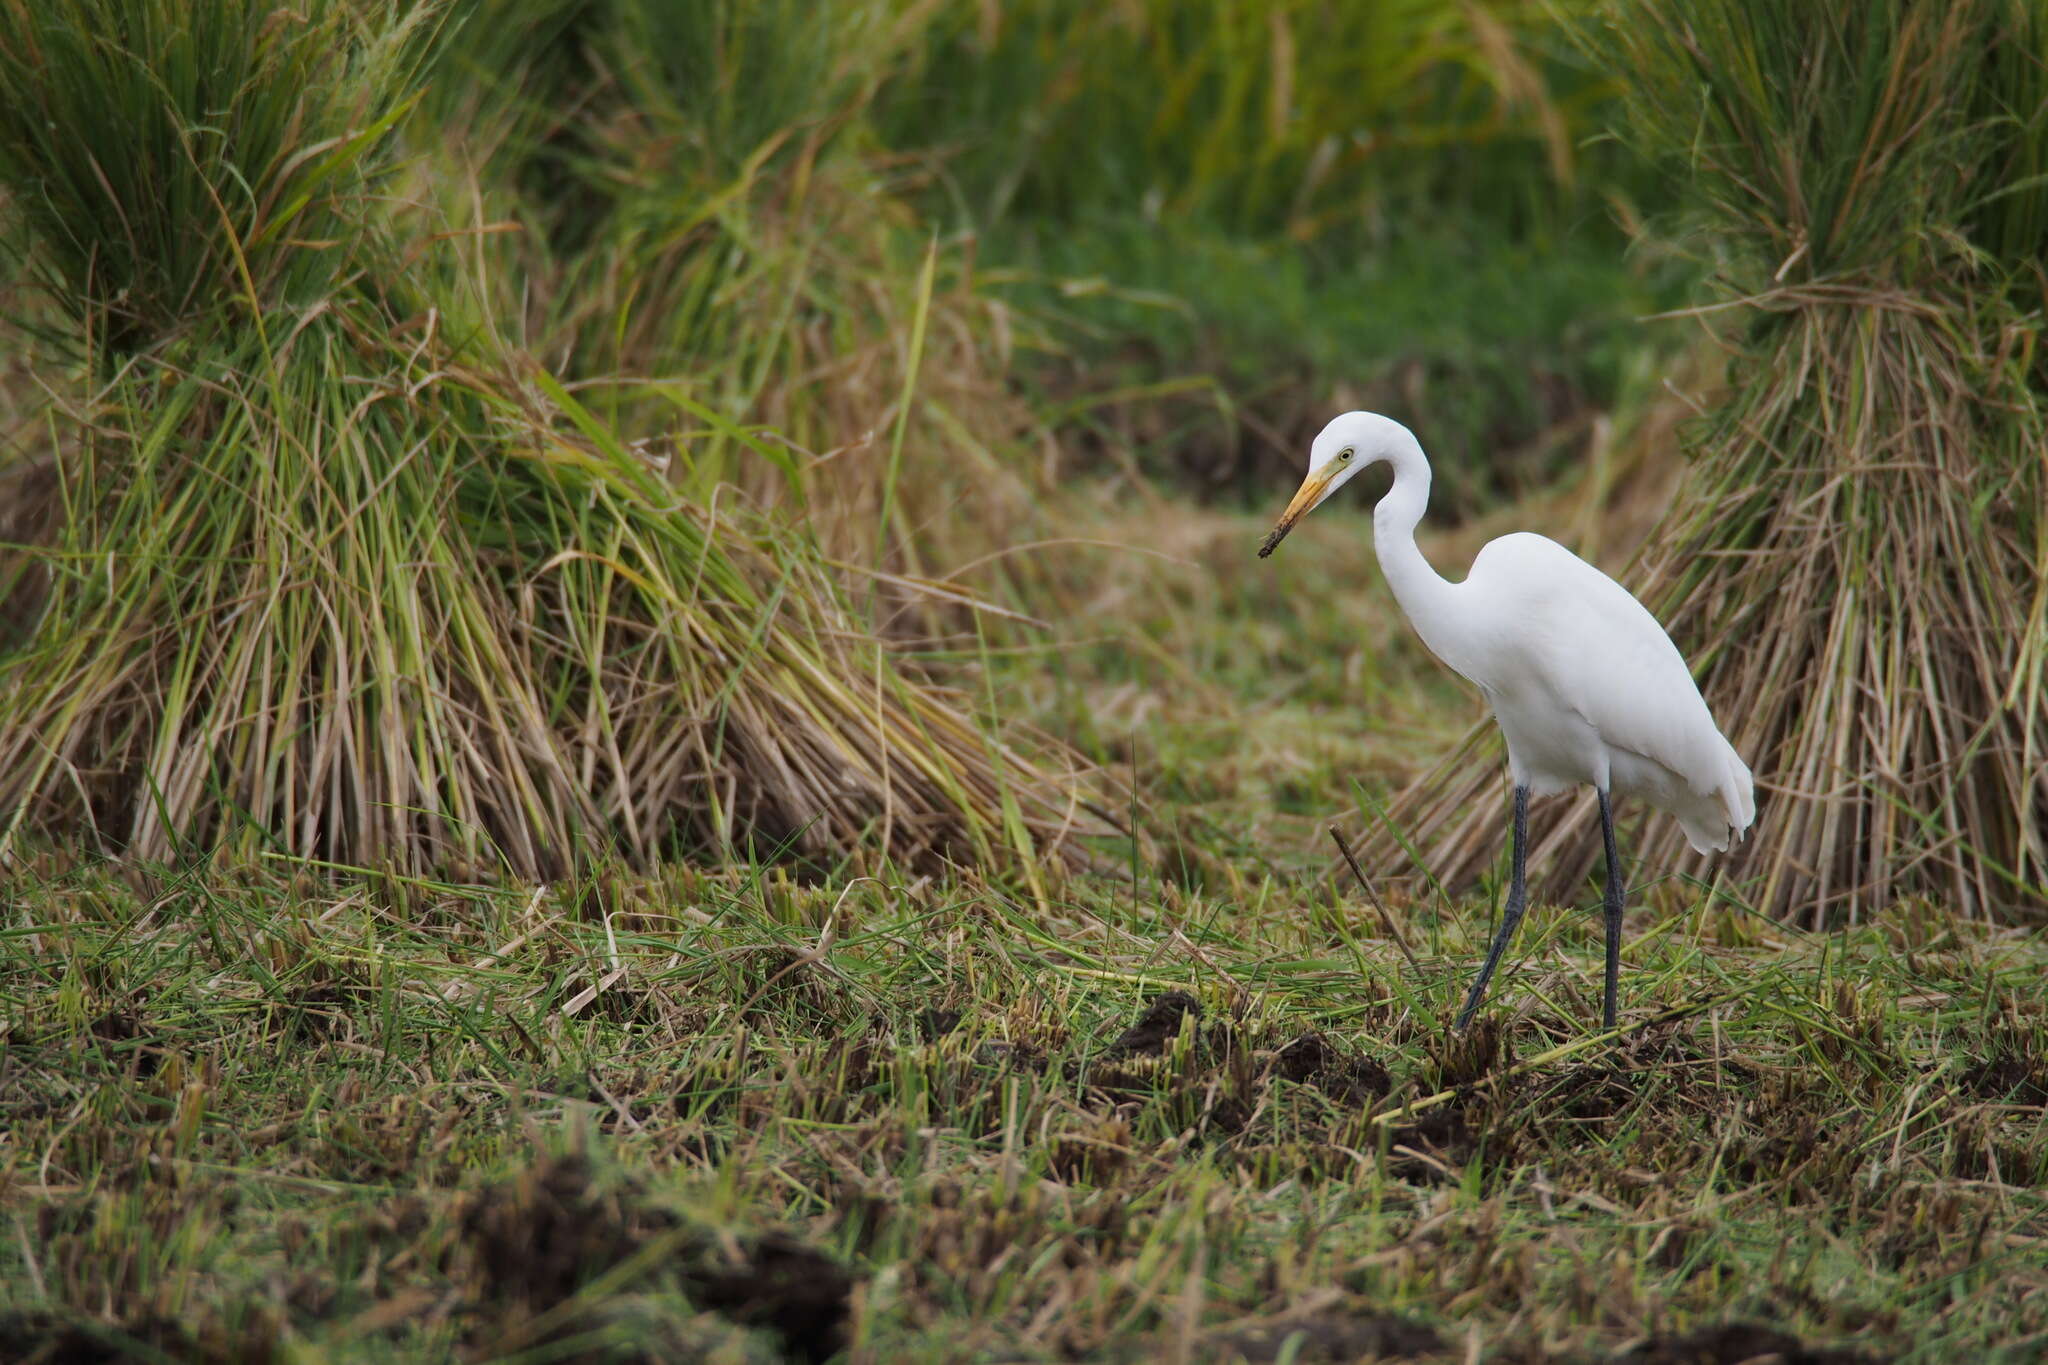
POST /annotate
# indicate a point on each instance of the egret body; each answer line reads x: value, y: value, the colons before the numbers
x: 1585, y: 685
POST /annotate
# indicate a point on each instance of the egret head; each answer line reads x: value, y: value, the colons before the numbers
x: 1348, y: 444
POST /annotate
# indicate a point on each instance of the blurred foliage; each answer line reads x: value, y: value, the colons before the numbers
x: 1290, y: 118
x: 1270, y: 209
x: 1314, y: 203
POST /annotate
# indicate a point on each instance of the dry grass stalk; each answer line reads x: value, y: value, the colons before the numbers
x: 534, y: 652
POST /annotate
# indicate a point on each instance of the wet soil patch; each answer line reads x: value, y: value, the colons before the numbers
x: 1330, y: 1337
x: 2013, y: 1071
x: 538, y: 1239
x: 1736, y: 1342
x: 46, y: 1338
x: 1352, y: 1080
x: 1157, y: 1027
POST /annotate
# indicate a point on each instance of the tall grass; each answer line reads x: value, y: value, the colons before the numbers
x: 1860, y: 565
x: 169, y: 164
x: 327, y: 575
x: 710, y: 224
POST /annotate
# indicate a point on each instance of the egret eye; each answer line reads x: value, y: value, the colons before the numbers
x: 1345, y: 453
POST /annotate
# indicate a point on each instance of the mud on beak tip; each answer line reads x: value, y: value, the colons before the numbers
x: 1305, y: 498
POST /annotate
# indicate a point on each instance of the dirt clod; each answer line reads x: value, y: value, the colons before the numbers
x: 1352, y: 1080
x: 539, y: 1238
x: 1158, y: 1026
x: 779, y: 1284
x: 1331, y: 1337
x: 1735, y: 1342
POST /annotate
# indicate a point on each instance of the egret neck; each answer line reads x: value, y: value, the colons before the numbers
x: 1427, y: 598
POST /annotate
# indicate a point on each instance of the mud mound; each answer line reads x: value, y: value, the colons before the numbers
x: 1330, y: 1337
x: 1157, y: 1027
x: 539, y: 1239
x: 1735, y: 1342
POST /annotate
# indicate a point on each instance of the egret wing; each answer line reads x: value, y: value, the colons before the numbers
x: 1599, y: 653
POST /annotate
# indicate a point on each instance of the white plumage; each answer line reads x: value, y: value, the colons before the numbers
x: 1585, y: 685
x: 1588, y: 689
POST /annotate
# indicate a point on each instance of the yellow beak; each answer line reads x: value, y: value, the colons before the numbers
x: 1310, y: 493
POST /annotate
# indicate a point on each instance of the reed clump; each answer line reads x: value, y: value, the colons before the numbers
x: 326, y: 569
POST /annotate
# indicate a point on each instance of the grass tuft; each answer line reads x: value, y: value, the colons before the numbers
x: 175, y: 162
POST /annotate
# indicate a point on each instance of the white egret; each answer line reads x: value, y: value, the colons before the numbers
x: 1584, y: 684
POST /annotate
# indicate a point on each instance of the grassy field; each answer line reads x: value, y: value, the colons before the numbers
x: 732, y: 1117
x: 798, y: 488
x: 1196, y: 1108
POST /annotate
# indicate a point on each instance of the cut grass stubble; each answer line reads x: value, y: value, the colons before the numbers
x: 605, y: 1112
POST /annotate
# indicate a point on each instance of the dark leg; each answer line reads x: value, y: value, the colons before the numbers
x: 1612, y: 904
x: 1511, y: 914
